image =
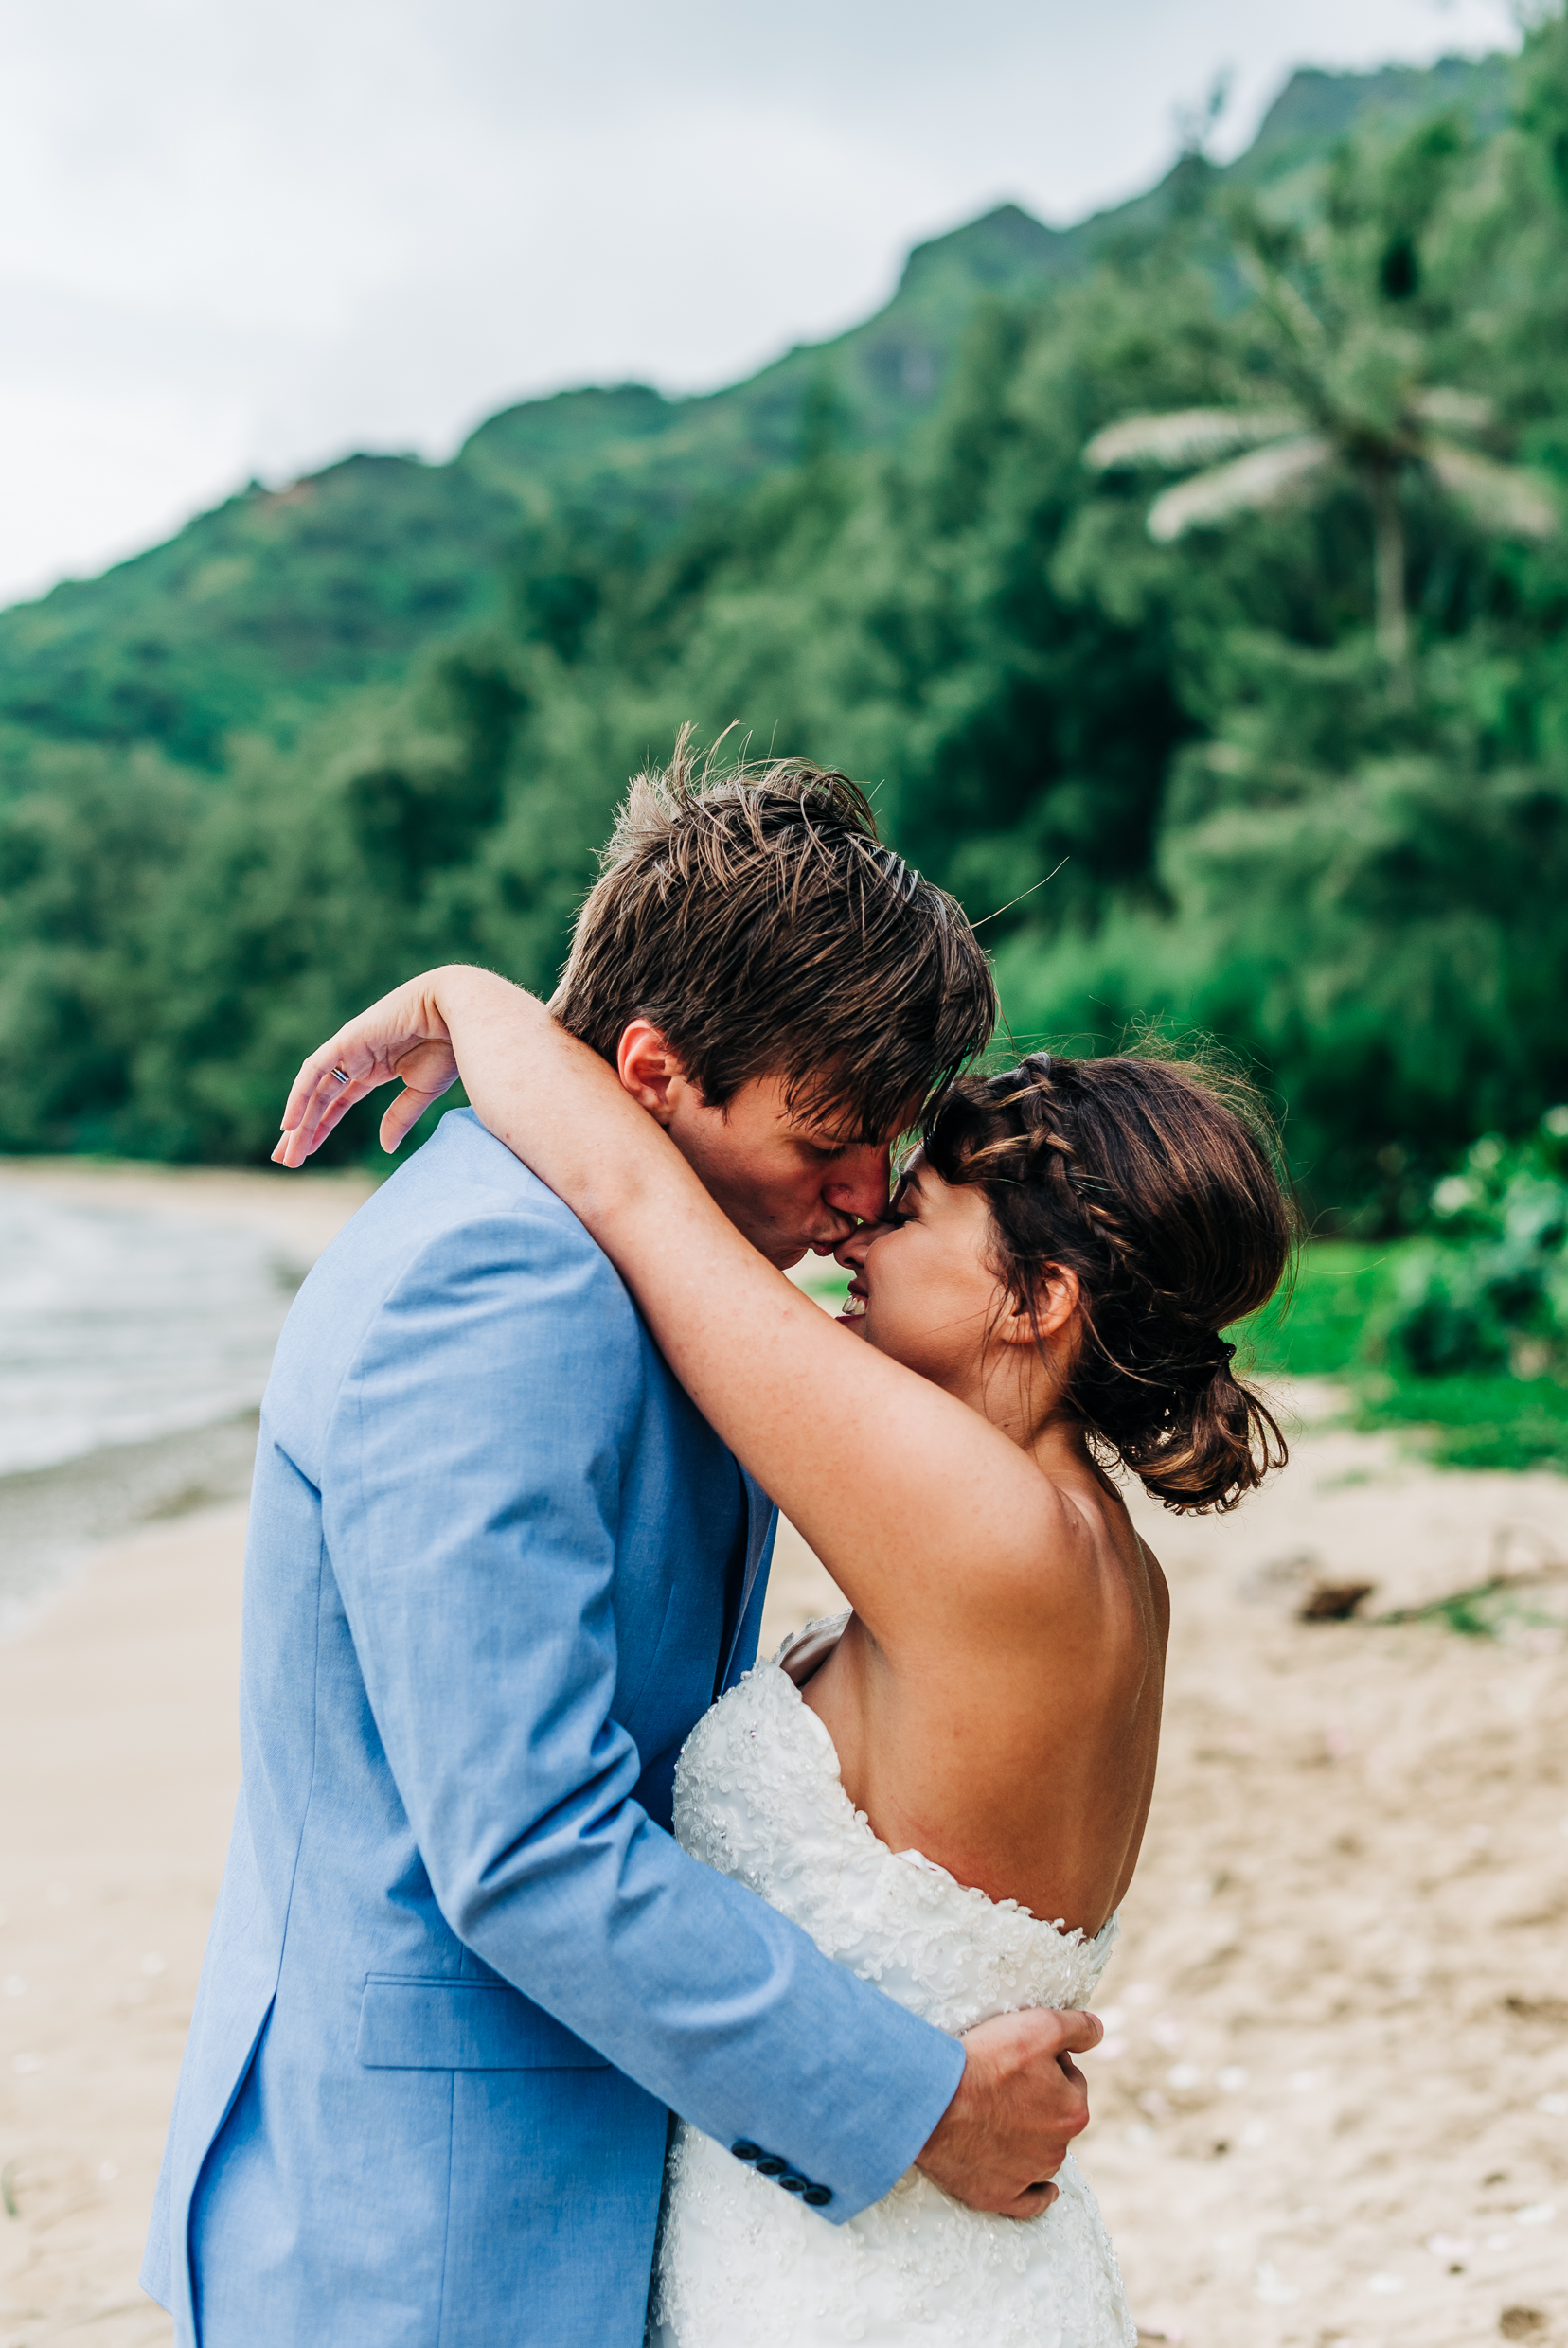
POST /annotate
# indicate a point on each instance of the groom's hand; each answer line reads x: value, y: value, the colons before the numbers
x: 1019, y: 2103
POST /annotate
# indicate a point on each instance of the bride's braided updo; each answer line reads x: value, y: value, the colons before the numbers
x: 1162, y: 1195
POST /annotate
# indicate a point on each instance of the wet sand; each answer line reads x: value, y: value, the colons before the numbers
x: 1332, y: 2108
x: 119, y: 1752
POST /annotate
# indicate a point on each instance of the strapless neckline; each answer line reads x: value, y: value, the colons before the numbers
x: 811, y: 1648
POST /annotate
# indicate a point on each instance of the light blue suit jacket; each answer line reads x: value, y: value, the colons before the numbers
x: 459, y: 1971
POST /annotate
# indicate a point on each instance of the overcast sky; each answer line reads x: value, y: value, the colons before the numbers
x: 239, y: 239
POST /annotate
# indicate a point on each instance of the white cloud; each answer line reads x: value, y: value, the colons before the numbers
x: 239, y: 239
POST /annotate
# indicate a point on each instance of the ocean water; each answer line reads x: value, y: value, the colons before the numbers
x: 134, y: 1349
x: 117, y: 1326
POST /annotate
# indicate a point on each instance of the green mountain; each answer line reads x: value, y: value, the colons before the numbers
x: 259, y: 613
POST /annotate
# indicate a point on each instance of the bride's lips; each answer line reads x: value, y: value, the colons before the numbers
x: 855, y: 1302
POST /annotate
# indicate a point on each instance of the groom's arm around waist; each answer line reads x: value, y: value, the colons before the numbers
x: 471, y: 1485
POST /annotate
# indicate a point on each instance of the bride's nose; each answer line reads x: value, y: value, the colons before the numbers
x: 852, y: 1252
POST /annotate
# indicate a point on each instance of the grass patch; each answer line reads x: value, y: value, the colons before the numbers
x: 1330, y: 1327
x: 1479, y: 1421
x: 1319, y: 1329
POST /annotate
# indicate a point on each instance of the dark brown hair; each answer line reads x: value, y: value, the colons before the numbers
x: 756, y: 919
x: 1156, y: 1184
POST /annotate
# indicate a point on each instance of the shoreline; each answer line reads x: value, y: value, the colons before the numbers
x: 54, y: 1521
x: 300, y: 1213
x: 55, y: 1515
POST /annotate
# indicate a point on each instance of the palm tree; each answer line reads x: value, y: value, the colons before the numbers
x: 1355, y: 404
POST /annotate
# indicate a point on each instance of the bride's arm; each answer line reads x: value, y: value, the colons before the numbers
x: 894, y: 1483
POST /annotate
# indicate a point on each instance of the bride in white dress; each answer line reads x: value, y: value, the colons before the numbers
x: 947, y: 1786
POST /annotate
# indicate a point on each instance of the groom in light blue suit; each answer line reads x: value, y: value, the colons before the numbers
x: 460, y: 1973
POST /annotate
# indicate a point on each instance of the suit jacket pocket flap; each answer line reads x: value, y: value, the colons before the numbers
x: 455, y: 2025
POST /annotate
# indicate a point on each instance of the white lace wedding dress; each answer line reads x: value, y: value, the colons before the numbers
x: 740, y: 2262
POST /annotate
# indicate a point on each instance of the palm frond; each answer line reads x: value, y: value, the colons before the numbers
x: 1285, y: 303
x: 1460, y: 411
x: 1501, y: 497
x: 1247, y: 485
x: 1187, y: 436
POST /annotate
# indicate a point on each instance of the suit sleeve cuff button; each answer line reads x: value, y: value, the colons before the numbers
x: 817, y: 2197
x: 744, y: 2149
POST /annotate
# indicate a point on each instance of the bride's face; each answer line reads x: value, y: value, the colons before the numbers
x: 925, y: 1290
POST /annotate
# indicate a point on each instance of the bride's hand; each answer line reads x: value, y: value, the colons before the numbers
x: 402, y: 1036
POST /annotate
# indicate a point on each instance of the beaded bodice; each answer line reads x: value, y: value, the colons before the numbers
x: 758, y: 1796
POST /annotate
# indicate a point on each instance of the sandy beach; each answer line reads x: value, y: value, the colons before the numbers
x: 1333, y: 2107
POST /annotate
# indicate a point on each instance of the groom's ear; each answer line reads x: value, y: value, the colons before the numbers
x: 650, y: 1072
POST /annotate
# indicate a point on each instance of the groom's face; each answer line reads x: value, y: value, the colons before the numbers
x: 790, y: 1184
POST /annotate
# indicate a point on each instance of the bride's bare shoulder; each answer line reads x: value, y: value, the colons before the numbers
x: 1033, y: 1518
x: 1085, y: 1539
x: 1159, y: 1589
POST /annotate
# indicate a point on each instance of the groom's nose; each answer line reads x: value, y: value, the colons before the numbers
x: 859, y: 1184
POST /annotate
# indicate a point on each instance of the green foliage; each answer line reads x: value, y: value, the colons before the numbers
x: 1334, y: 1325
x: 1316, y: 1326
x: 85, y: 856
x: 1331, y: 383
x: 1477, y: 1422
x: 258, y: 613
x: 1389, y: 944
x: 1461, y: 1330
x: 1493, y: 1291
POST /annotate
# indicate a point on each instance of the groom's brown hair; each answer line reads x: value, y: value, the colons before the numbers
x: 752, y: 915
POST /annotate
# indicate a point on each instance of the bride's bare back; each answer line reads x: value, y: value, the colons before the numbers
x: 1023, y: 1766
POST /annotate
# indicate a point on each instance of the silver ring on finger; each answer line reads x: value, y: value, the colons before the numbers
x: 343, y: 1076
